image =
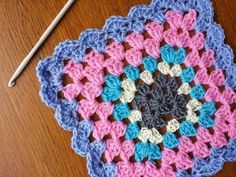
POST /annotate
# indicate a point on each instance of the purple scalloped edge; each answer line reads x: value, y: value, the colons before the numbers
x: 50, y: 72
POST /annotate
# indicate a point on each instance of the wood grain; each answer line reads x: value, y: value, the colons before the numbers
x: 32, y: 144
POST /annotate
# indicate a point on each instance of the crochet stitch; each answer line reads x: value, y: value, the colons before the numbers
x: 157, y: 99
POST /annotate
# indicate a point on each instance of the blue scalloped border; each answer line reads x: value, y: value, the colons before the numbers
x: 50, y: 71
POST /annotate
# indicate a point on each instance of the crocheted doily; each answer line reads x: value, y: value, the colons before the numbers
x: 149, y: 95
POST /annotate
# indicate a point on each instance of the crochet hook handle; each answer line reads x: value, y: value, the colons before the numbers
x: 44, y: 36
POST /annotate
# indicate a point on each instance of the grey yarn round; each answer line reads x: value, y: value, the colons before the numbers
x: 159, y: 101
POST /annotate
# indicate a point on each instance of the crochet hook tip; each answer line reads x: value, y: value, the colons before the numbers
x: 11, y: 83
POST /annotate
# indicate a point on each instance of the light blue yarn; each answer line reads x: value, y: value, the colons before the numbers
x: 231, y: 71
x: 49, y: 73
x: 231, y: 76
x: 205, y: 14
x: 121, y: 111
x: 97, y: 147
x: 230, y: 153
x: 66, y: 114
x: 187, y: 129
x: 171, y: 56
x: 170, y: 141
x: 150, y: 64
x: 182, y: 173
x: 215, y: 36
x: 206, y: 121
x: 197, y: 92
x: 231, y: 82
x: 162, y: 5
x: 111, y: 94
x: 110, y: 169
x: 80, y: 139
x: 94, y: 38
x: 184, y: 5
x: 187, y: 75
x: 132, y: 131
x: 210, y: 165
x: 224, y: 57
x: 96, y: 167
x: 145, y: 149
x: 138, y: 16
x: 208, y: 108
x: 112, y: 81
x: 117, y: 27
x: 69, y: 49
x: 132, y: 72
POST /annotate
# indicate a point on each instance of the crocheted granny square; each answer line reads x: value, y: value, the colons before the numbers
x: 149, y: 95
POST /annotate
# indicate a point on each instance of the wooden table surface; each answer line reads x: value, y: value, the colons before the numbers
x: 31, y: 142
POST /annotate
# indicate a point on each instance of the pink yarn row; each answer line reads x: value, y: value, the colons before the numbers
x: 204, y: 61
x: 115, y: 148
x: 146, y: 169
x: 104, y: 127
x: 184, y: 23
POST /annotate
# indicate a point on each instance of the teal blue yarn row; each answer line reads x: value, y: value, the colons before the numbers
x: 197, y: 92
x: 187, y: 75
x: 170, y: 140
x: 112, y: 91
x: 121, y: 111
x: 111, y: 94
x: 149, y: 150
x: 132, y: 131
x: 206, y: 115
x: 112, y: 81
x: 150, y: 64
x: 187, y: 129
x: 208, y: 108
x: 132, y: 72
x: 172, y: 56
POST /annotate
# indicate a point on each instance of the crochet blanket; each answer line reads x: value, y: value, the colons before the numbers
x: 151, y: 94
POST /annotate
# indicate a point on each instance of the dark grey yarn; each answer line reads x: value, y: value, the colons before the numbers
x: 158, y: 101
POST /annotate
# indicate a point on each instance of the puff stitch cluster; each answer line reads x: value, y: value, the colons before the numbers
x: 153, y: 96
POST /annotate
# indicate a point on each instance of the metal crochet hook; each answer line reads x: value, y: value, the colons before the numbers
x: 44, y: 36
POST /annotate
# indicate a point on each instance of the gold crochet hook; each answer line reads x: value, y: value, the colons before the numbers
x: 44, y: 36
